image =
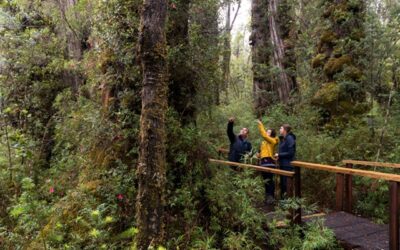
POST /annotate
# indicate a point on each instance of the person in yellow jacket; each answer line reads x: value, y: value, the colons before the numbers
x: 267, y: 152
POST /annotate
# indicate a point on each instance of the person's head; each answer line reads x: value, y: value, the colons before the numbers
x: 285, y: 129
x: 271, y: 132
x: 244, y: 132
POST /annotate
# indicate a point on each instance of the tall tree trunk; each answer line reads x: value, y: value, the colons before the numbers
x: 260, y: 51
x: 278, y: 33
x: 74, y: 44
x: 340, y: 57
x: 226, y: 60
x: 206, y: 52
x: 182, y: 87
x: 152, y: 167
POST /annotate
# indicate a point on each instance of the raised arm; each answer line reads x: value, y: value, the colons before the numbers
x: 229, y: 130
x: 265, y: 135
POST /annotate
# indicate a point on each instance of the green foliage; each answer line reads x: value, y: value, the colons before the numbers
x: 68, y: 157
x: 314, y: 235
x: 29, y: 214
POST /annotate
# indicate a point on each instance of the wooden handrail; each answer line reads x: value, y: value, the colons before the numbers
x: 371, y: 163
x: 258, y: 168
x: 350, y: 171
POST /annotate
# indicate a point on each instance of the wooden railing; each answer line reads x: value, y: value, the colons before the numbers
x: 344, y: 186
x: 344, y: 192
x: 371, y: 163
x: 255, y: 167
x: 293, y: 181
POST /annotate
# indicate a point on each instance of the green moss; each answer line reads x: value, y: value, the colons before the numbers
x: 341, y: 13
x: 338, y: 51
x: 328, y: 37
x: 318, y: 60
x: 350, y: 107
x: 327, y: 95
x: 335, y: 65
x: 357, y: 34
x: 353, y: 73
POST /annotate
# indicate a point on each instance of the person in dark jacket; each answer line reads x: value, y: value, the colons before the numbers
x: 239, y: 145
x: 287, y: 153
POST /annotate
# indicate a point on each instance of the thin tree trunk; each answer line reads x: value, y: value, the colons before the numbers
x: 389, y: 104
x: 227, y: 49
x: 151, y: 171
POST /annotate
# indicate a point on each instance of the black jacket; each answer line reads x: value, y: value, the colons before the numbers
x: 287, y: 149
x: 238, y: 147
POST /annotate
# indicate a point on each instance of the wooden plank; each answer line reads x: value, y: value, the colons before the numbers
x: 371, y: 163
x: 341, y: 170
x: 356, y: 232
x: 258, y: 168
x: 339, y: 192
x: 394, y: 216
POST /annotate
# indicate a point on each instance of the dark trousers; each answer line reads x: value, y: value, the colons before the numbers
x: 268, y: 177
x: 284, y: 179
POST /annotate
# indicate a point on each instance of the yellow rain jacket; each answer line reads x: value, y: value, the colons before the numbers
x: 268, y: 145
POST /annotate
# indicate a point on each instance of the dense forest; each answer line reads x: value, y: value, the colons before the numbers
x: 110, y: 110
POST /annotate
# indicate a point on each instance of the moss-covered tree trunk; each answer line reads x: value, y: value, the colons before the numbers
x: 74, y: 43
x: 205, y: 52
x: 182, y: 87
x: 341, y: 92
x: 273, y: 56
x: 226, y: 56
x: 151, y: 171
x: 280, y: 27
x: 260, y: 50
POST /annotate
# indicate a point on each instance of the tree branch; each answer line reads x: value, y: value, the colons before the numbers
x: 234, y: 18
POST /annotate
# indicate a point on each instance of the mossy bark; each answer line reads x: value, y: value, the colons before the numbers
x: 151, y: 171
x: 262, y: 86
x: 205, y: 52
x: 339, y: 59
x: 282, y: 37
x: 74, y: 43
x: 182, y: 87
x: 226, y: 56
x: 273, y: 41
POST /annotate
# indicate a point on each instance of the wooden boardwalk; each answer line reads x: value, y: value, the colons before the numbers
x: 355, y: 232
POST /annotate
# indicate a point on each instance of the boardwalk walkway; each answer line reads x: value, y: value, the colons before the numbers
x: 352, y: 231
x: 355, y: 232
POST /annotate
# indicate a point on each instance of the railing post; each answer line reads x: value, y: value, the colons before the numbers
x: 394, y: 215
x: 290, y: 186
x: 290, y: 193
x: 297, y: 193
x: 339, y: 191
x: 348, y: 182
